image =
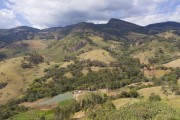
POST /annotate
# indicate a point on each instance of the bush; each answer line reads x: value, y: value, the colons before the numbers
x: 34, y: 58
x: 26, y: 65
x: 154, y: 97
x: 133, y: 94
x: 130, y: 94
x: 2, y: 55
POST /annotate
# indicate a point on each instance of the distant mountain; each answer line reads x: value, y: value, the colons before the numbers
x: 114, y: 27
x: 162, y: 27
x: 18, y: 33
x: 116, y: 23
x: 120, y: 27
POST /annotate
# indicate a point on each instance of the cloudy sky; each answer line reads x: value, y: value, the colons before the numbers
x: 51, y: 13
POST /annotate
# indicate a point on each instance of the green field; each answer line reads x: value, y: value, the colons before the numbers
x: 58, y: 98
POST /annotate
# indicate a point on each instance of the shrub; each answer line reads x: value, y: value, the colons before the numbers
x: 34, y: 58
x: 130, y: 94
x: 2, y: 55
x: 26, y: 65
x: 133, y: 94
x: 154, y: 97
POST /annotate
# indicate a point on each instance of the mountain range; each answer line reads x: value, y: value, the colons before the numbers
x: 113, y: 27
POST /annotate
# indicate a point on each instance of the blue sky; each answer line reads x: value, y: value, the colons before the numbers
x: 2, y: 5
x: 53, y: 13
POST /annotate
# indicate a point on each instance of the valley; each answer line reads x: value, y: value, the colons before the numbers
x: 87, y: 71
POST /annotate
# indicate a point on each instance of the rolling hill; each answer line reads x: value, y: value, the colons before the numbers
x: 106, y: 68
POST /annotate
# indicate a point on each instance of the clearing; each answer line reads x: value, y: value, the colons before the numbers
x: 146, y: 92
x: 124, y: 101
x: 98, y: 54
x: 174, y: 64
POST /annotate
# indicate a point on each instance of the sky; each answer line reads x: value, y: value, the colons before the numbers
x: 54, y: 13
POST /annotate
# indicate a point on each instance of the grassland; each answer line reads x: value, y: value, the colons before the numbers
x: 20, y: 48
x: 168, y: 34
x: 18, y: 78
x: 174, y: 64
x: 164, y: 50
x: 144, y: 56
x: 146, y: 92
x: 34, y: 115
x: 155, y: 73
x: 65, y: 64
x: 124, y: 101
x: 99, y: 54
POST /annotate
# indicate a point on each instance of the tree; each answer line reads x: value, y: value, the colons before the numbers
x: 34, y: 58
x: 133, y: 94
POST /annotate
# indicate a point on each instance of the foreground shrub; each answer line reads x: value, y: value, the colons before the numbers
x: 138, y: 111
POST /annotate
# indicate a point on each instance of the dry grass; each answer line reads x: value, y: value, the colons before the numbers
x: 114, y: 93
x: 79, y: 115
x: 18, y: 78
x: 174, y: 64
x: 29, y: 45
x: 68, y: 75
x: 168, y: 34
x: 95, y: 69
x: 124, y: 101
x: 99, y: 54
x: 35, y: 44
x: 179, y: 81
x: 146, y: 92
x: 174, y: 102
x: 156, y: 73
x: 84, y: 71
x: 65, y: 64
x: 141, y: 84
x: 143, y: 56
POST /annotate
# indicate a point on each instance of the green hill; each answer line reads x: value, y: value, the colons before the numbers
x: 118, y: 69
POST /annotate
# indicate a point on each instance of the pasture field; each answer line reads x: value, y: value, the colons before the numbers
x: 99, y: 54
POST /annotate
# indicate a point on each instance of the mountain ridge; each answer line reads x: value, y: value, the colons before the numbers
x: 113, y: 27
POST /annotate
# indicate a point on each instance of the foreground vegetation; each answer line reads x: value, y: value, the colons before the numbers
x: 137, y: 111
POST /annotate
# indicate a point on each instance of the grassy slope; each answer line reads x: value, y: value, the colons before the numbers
x: 174, y: 64
x: 93, y: 47
x: 25, y: 46
x: 18, y: 78
x: 99, y: 54
x: 124, y: 101
x: 155, y: 73
x: 56, y: 53
x: 148, y: 49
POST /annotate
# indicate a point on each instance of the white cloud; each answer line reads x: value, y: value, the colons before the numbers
x: 8, y: 19
x: 155, y: 18
x: 48, y: 13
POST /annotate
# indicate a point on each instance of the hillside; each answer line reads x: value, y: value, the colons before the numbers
x: 163, y: 27
x: 90, y: 71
